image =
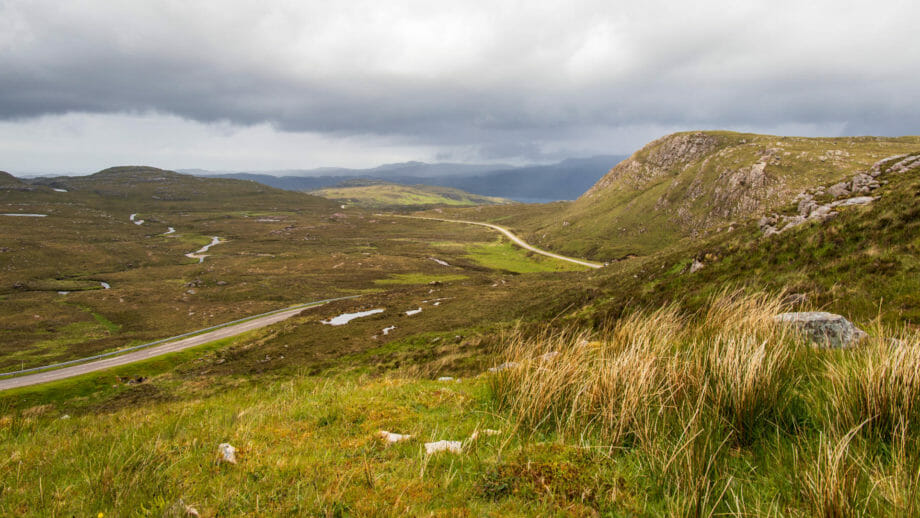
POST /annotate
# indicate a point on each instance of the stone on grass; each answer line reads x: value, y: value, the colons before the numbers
x: 487, y: 431
x: 824, y: 329
x: 504, y: 366
x: 448, y: 446
x: 696, y: 266
x: 393, y: 437
x: 227, y: 453
x: 859, y: 200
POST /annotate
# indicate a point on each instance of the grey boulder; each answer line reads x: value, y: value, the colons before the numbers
x: 824, y: 329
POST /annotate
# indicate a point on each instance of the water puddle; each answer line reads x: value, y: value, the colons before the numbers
x: 105, y: 285
x: 170, y: 230
x: 442, y: 263
x: 386, y: 330
x: 59, y: 190
x: 345, y: 318
x: 23, y: 215
x: 134, y: 219
x: 413, y: 312
x: 200, y: 253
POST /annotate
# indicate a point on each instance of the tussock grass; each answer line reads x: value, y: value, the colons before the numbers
x: 650, y: 365
x: 878, y: 385
x: 706, y: 400
x: 832, y: 478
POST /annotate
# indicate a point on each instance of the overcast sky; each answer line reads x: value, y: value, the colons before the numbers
x: 242, y: 85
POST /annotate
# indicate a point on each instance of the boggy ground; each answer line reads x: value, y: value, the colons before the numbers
x: 285, y: 249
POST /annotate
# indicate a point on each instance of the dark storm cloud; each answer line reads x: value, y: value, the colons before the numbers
x: 512, y: 81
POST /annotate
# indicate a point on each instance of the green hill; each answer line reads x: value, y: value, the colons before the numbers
x: 6, y: 179
x: 390, y: 195
x: 688, y: 185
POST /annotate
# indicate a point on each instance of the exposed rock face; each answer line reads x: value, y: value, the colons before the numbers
x: 824, y: 329
x: 657, y: 159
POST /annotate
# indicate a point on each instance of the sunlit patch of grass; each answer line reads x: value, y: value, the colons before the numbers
x: 502, y: 255
x: 419, y: 278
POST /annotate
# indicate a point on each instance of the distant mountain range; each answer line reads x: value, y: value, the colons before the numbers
x: 565, y: 180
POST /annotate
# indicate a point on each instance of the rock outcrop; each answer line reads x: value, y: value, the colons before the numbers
x: 824, y: 329
x: 843, y: 194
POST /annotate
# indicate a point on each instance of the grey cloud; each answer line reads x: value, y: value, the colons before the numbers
x: 517, y: 86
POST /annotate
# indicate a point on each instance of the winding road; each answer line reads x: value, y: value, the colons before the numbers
x: 515, y: 239
x: 153, y: 349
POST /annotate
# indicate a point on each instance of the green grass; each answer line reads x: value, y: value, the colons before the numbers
x: 503, y: 255
x: 385, y: 195
x: 696, y: 443
x: 419, y: 278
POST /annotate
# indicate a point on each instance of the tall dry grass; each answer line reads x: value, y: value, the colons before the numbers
x: 832, y: 478
x: 879, y: 384
x: 681, y: 389
x: 625, y: 380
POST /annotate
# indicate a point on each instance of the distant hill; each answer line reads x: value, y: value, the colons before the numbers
x: 8, y: 181
x: 150, y: 183
x: 378, y: 194
x: 565, y: 180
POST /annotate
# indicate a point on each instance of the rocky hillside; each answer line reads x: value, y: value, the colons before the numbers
x: 847, y: 247
x: 690, y: 185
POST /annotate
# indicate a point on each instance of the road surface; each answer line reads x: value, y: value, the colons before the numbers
x: 516, y: 240
x: 144, y: 354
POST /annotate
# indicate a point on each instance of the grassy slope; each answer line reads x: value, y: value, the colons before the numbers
x: 384, y: 195
x: 863, y: 263
x: 688, y: 185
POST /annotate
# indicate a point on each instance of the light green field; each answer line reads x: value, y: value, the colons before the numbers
x: 419, y: 278
x: 393, y: 195
x: 503, y: 255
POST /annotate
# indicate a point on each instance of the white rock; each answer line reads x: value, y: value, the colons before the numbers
x: 445, y: 378
x: 227, y: 452
x: 393, y: 437
x: 506, y: 365
x: 696, y: 266
x: 438, y: 446
x: 487, y: 431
